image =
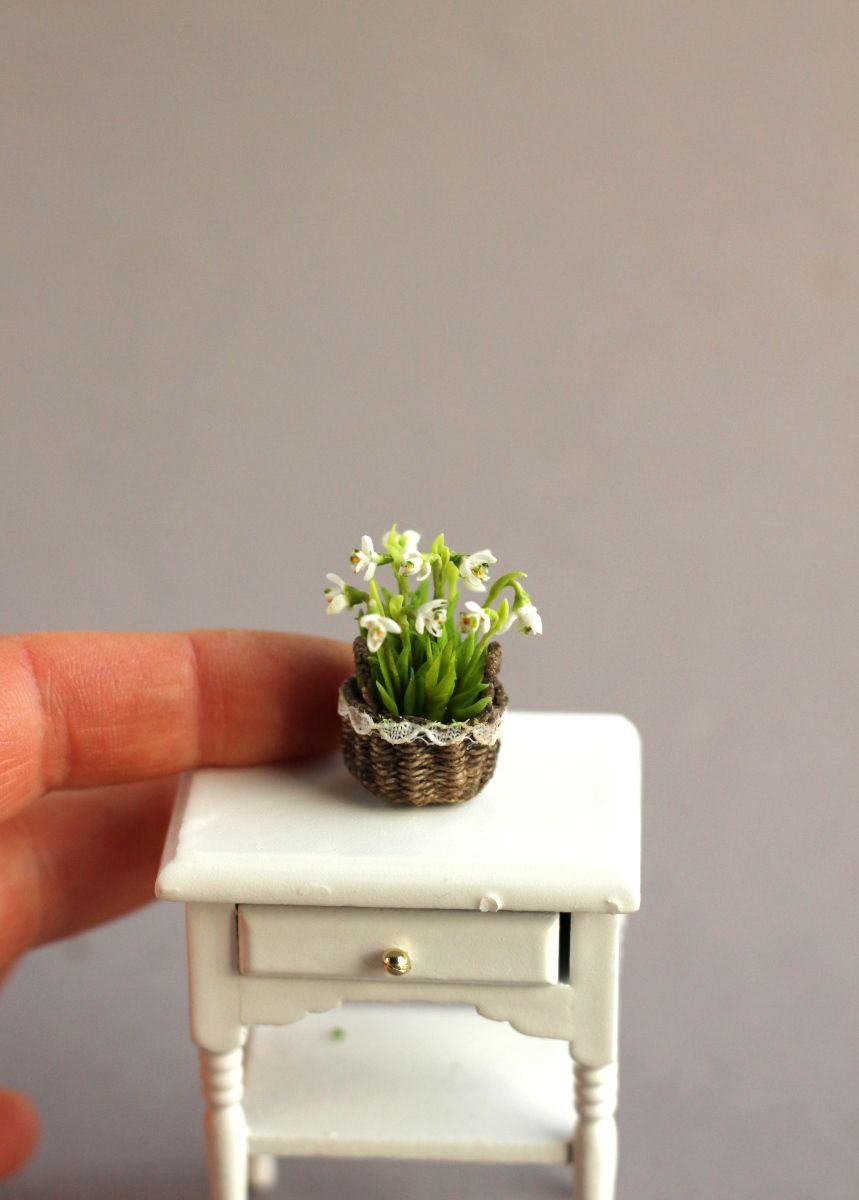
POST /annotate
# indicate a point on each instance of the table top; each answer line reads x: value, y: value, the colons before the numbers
x: 557, y: 829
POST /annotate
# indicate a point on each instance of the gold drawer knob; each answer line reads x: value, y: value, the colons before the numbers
x: 397, y: 962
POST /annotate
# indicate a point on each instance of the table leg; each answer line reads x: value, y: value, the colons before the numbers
x: 262, y: 1171
x: 226, y: 1129
x: 595, y: 1141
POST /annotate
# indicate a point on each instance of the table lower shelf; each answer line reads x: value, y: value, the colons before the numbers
x: 408, y: 1081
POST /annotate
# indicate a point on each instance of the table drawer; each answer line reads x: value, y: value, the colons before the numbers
x: 351, y: 943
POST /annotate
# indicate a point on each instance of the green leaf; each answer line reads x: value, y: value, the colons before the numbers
x: 464, y: 699
x: 446, y: 656
x: 465, y: 652
x: 470, y: 685
x: 439, y: 694
x: 387, y: 700
x: 472, y: 710
x: 437, y: 698
x: 390, y: 658
x: 386, y: 674
x: 474, y: 671
x: 448, y: 683
x: 432, y: 674
x: 410, y: 696
x: 403, y: 666
x: 391, y: 539
x: 450, y: 623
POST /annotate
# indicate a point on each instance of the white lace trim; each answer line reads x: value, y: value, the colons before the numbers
x: 401, y: 729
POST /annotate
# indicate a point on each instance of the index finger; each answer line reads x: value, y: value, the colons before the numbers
x: 84, y: 709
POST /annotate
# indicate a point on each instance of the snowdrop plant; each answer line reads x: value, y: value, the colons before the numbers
x: 425, y: 659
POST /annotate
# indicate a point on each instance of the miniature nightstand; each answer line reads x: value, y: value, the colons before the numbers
x: 303, y: 891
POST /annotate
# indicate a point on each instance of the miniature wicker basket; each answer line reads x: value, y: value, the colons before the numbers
x: 413, y: 760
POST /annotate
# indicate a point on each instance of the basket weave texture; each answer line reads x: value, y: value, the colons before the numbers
x: 419, y: 772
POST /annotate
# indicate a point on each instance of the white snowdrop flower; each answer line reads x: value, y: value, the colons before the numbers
x: 476, y: 620
x: 529, y: 619
x: 415, y: 564
x: 411, y: 537
x: 335, y: 596
x: 366, y: 558
x: 431, y: 616
x: 474, y: 569
x: 378, y: 629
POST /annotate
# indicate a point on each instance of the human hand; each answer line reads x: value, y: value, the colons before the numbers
x: 93, y: 729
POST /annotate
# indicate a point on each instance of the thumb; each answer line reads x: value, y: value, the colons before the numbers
x: 19, y: 1132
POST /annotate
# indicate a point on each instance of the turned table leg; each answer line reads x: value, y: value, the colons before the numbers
x: 595, y: 1141
x: 262, y: 1172
x: 226, y: 1130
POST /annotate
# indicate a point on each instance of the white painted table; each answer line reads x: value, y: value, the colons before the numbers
x: 298, y: 884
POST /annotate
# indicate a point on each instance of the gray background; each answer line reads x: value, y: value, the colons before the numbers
x: 577, y: 282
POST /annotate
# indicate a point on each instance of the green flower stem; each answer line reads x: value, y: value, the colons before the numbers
x: 398, y: 610
x: 485, y: 640
x: 507, y: 581
x: 453, y: 596
x: 391, y: 661
x: 439, y: 575
x: 436, y: 580
x: 405, y: 632
x: 376, y: 604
